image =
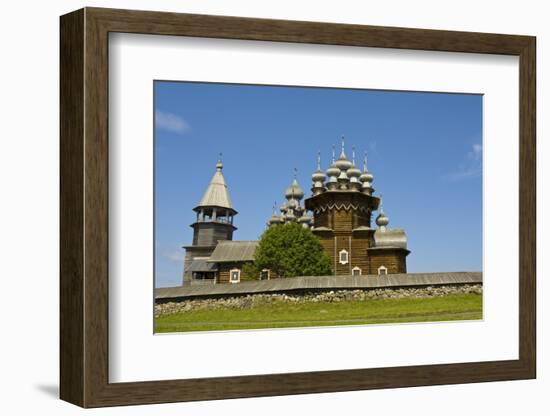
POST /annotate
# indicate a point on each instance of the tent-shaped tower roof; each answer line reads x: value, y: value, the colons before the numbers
x: 217, y: 194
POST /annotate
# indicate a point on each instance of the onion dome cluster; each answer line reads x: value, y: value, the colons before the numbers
x: 341, y: 175
x: 292, y: 210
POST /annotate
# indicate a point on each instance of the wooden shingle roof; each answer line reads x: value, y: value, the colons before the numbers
x: 201, y: 265
x: 325, y: 283
x: 233, y: 251
x: 216, y: 195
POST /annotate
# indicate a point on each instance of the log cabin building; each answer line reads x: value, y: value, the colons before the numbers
x: 341, y: 204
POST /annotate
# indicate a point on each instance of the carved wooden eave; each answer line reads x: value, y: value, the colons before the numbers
x: 341, y: 206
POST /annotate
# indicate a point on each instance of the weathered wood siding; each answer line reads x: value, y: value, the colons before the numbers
x: 340, y: 216
x: 361, y: 219
x: 356, y: 246
x: 321, y: 219
x: 357, y: 253
x: 393, y: 260
x: 208, y: 234
x: 359, y: 256
x: 342, y: 220
x: 224, y: 270
x: 190, y: 254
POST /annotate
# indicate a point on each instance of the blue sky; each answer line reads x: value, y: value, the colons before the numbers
x: 424, y: 150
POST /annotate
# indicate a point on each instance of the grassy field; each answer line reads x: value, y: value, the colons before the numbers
x: 282, y: 314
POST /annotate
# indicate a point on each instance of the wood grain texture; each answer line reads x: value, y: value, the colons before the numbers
x: 84, y: 207
x: 393, y: 260
x: 71, y: 213
x: 527, y: 209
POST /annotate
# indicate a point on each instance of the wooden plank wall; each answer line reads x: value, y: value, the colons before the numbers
x: 393, y: 260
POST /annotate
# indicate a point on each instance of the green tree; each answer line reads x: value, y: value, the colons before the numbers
x: 250, y: 272
x: 291, y: 250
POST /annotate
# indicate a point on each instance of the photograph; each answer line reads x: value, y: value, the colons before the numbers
x: 308, y: 207
x: 290, y: 206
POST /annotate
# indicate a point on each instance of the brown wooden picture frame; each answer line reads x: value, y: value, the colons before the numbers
x: 84, y: 207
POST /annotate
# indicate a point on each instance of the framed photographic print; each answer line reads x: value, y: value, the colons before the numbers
x: 255, y: 207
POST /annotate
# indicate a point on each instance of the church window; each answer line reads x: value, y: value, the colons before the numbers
x: 356, y: 271
x: 235, y: 275
x: 382, y: 270
x: 344, y: 258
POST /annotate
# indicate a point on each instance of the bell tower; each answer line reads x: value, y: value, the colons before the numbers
x: 215, y: 213
x: 213, y: 222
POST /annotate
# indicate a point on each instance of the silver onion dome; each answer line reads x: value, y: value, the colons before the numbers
x: 382, y: 220
x: 283, y: 207
x: 290, y: 215
x: 294, y: 191
x: 353, y: 172
x: 366, y: 176
x: 343, y: 177
x: 275, y: 219
x: 318, y: 182
x: 318, y: 175
x: 292, y: 203
x: 343, y: 163
x: 305, y: 221
x: 333, y: 171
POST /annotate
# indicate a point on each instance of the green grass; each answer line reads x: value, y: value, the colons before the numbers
x: 281, y: 314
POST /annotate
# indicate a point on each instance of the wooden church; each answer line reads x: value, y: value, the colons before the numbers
x: 341, y: 208
x: 342, y: 204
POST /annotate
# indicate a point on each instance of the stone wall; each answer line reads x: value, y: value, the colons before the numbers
x: 249, y: 301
